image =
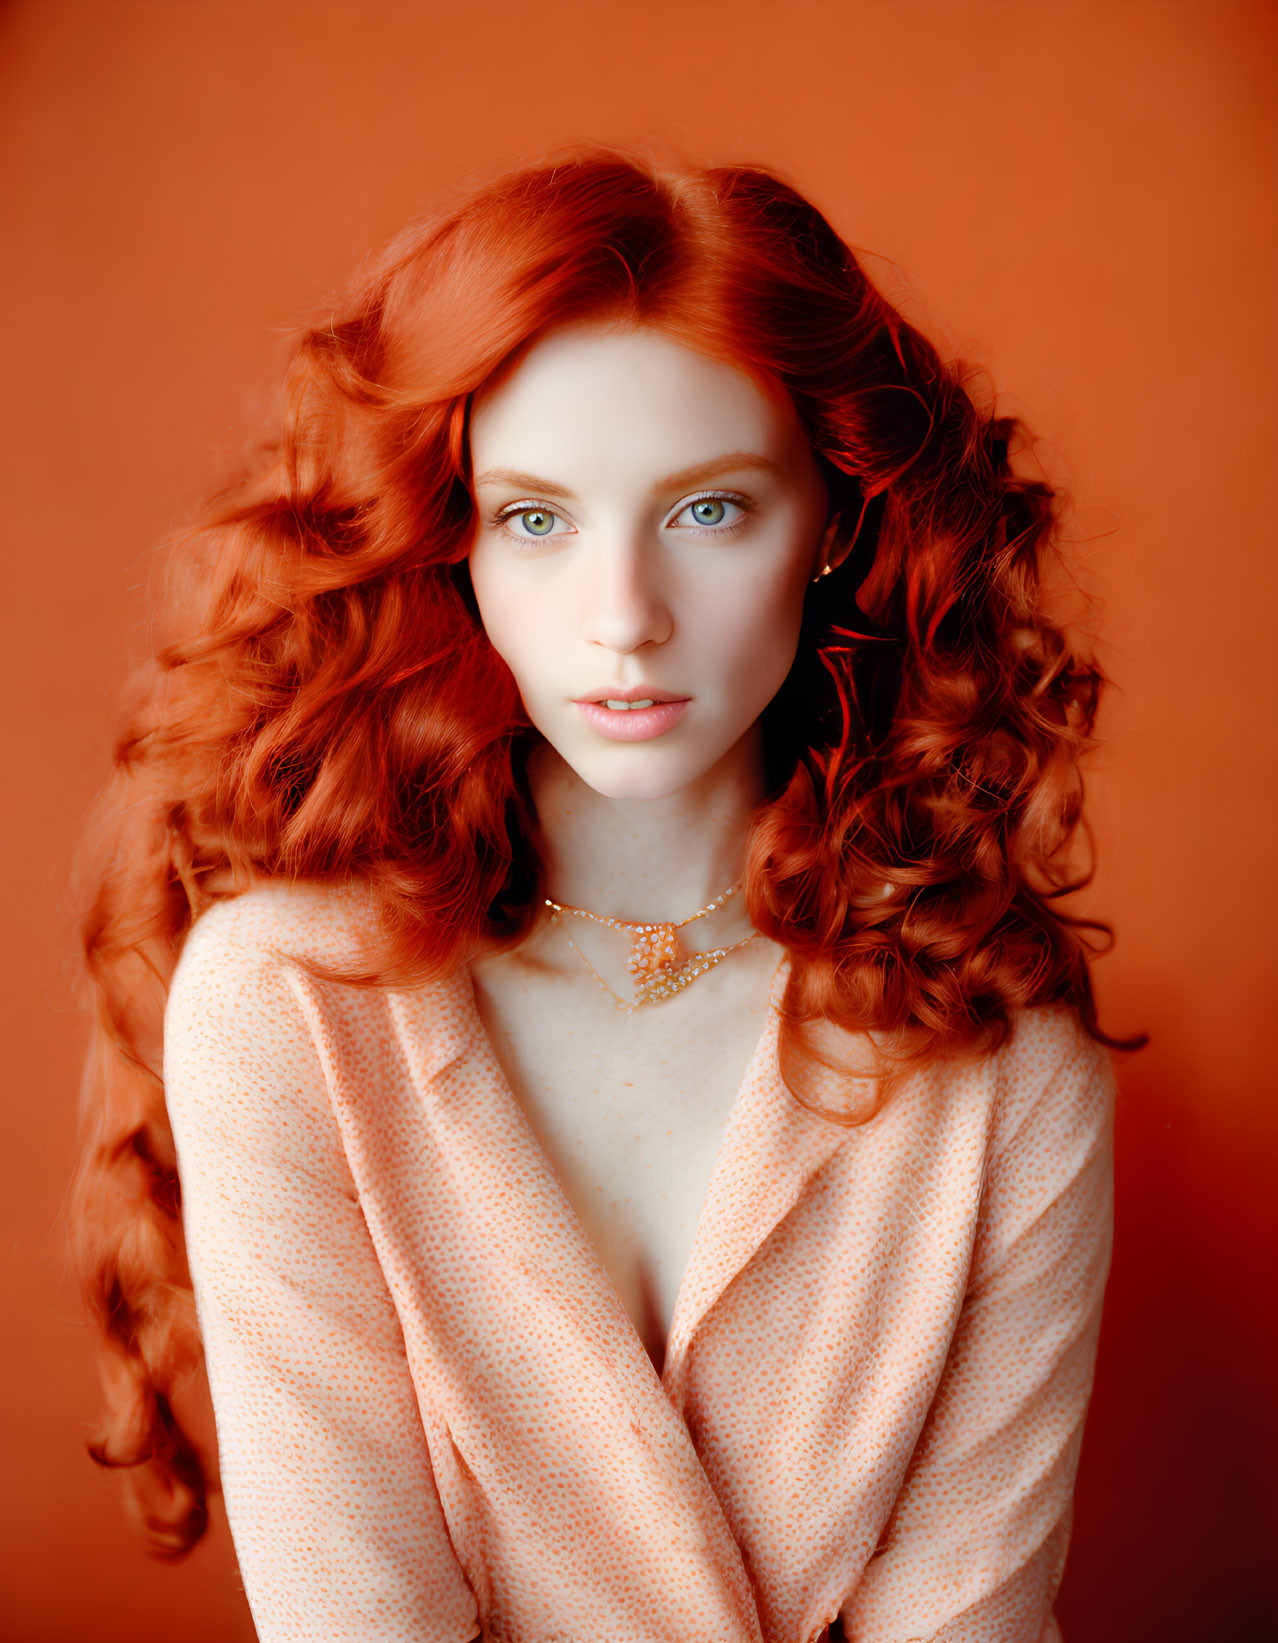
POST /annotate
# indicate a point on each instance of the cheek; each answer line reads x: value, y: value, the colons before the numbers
x: 754, y: 632
x: 508, y: 617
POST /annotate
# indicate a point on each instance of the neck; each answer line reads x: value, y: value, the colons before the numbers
x: 649, y: 860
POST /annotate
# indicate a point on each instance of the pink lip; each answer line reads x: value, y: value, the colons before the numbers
x: 632, y: 724
x: 630, y: 693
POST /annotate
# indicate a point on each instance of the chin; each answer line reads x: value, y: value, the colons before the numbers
x: 636, y: 784
x: 632, y: 776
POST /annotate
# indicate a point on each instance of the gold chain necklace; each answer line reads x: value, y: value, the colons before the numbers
x: 659, y: 968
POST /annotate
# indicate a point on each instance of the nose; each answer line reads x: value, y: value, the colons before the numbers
x: 626, y: 605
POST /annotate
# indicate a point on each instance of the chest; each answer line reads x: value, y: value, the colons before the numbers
x: 630, y: 1110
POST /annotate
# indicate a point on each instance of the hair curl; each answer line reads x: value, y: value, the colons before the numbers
x: 922, y: 756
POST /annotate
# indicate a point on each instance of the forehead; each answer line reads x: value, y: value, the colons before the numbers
x: 596, y: 400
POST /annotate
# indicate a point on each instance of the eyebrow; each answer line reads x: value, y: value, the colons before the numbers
x: 733, y: 462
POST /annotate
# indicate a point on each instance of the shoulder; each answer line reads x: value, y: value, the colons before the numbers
x: 241, y: 1067
x: 255, y: 940
x: 306, y: 922
x: 1050, y: 1157
x: 1047, y: 1069
x: 1051, y: 1074
x: 235, y: 977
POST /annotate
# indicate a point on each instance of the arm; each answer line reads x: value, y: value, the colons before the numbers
x: 328, y: 1482
x: 975, y: 1547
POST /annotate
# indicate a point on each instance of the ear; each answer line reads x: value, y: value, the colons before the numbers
x: 830, y: 552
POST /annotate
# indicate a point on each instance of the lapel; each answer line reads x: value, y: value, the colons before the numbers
x: 771, y: 1149
x: 623, y: 1433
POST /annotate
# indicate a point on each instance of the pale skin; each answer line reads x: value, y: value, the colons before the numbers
x: 649, y: 519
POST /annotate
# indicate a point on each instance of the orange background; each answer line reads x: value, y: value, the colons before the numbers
x: 1079, y: 194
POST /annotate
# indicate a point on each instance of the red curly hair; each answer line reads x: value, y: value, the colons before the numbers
x: 333, y: 710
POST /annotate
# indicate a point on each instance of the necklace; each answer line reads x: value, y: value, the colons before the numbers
x: 659, y: 968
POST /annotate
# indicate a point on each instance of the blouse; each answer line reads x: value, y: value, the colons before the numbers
x: 436, y: 1420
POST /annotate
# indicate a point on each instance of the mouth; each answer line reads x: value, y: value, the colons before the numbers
x: 632, y: 718
x: 630, y: 699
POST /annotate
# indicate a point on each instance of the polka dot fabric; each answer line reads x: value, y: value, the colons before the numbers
x: 436, y: 1420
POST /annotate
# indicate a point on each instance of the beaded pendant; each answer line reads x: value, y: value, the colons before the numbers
x: 655, y: 949
x: 657, y: 963
x: 658, y: 976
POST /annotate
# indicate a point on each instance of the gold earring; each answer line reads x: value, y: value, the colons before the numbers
x: 827, y: 540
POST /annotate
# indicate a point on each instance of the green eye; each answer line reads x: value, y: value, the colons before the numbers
x: 709, y: 511
x: 537, y: 521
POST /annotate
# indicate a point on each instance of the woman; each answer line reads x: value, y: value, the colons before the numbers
x: 643, y: 1131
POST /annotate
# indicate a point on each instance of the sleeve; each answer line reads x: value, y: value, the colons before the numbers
x: 328, y: 1484
x: 975, y: 1547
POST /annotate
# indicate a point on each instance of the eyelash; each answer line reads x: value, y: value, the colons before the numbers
x: 527, y: 506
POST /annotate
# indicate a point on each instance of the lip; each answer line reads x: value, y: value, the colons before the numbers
x: 631, y: 693
x: 634, y: 724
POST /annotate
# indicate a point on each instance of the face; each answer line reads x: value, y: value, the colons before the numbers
x: 649, y: 522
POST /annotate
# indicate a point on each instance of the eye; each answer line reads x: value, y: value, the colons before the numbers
x: 715, y: 515
x: 529, y: 523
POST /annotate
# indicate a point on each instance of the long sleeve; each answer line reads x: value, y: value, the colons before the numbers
x: 975, y: 1547
x: 328, y: 1482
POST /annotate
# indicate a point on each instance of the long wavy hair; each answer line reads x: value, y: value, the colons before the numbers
x: 331, y: 708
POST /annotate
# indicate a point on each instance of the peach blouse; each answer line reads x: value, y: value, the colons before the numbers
x: 435, y: 1417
